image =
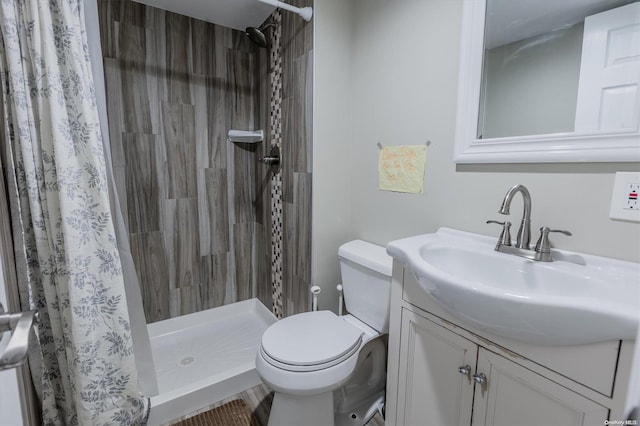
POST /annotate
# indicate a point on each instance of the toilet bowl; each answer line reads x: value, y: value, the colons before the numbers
x: 327, y: 369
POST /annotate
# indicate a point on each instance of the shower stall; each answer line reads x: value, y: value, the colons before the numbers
x: 219, y: 241
x: 214, y: 244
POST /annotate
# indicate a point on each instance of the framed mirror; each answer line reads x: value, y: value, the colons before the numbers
x: 539, y: 85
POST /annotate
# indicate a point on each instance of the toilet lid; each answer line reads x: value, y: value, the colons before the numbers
x: 310, y: 339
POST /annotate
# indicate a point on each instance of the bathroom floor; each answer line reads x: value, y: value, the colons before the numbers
x: 234, y: 413
x: 377, y: 420
x: 259, y: 399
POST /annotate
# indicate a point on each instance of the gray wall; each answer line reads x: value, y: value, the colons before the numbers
x: 401, y: 60
x: 532, y: 85
x: 297, y: 145
x: 332, y: 152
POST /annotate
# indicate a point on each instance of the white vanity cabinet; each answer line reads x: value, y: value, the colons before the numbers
x: 430, y: 388
x: 436, y: 364
x: 514, y: 395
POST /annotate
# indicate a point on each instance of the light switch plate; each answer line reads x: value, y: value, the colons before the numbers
x: 624, y: 201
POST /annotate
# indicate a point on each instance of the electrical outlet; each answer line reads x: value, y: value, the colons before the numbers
x: 632, y: 202
x: 625, y: 202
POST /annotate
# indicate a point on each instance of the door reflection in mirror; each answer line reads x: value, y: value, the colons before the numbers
x: 547, y: 73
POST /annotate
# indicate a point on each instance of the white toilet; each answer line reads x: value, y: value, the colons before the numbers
x: 327, y: 369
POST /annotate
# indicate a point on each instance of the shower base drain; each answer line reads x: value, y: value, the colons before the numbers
x: 186, y: 361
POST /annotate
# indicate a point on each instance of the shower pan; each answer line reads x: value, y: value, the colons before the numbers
x: 205, y: 357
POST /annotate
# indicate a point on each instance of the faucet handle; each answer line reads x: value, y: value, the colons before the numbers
x: 505, y: 236
x: 543, y: 246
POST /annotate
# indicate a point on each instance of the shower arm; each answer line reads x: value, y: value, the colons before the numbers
x: 306, y: 12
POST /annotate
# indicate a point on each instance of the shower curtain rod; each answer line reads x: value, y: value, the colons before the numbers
x: 306, y: 12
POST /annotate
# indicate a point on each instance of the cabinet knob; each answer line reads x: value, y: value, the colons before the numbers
x: 480, y: 378
x: 465, y: 370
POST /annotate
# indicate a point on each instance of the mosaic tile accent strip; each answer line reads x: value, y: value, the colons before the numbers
x: 275, y: 117
x: 296, y: 50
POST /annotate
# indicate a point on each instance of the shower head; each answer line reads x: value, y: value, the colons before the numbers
x: 257, y: 35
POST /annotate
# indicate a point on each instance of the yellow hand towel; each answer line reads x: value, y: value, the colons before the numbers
x: 401, y: 168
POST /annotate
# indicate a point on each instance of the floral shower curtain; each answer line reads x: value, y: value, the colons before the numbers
x: 66, y: 251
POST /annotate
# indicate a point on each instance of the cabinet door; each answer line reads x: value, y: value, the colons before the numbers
x: 431, y: 390
x: 513, y: 395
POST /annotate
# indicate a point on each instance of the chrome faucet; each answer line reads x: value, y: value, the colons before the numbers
x: 524, y: 233
x: 542, y: 250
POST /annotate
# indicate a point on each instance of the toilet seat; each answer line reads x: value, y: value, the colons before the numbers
x: 310, y: 341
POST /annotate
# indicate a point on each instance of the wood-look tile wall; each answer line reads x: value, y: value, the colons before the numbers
x: 296, y: 108
x: 195, y: 205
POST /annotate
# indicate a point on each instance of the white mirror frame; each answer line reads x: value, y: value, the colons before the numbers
x: 549, y: 148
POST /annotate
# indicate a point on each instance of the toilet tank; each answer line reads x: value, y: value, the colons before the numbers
x: 366, y: 282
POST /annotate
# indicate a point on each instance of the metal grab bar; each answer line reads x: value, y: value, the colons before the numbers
x: 16, y: 352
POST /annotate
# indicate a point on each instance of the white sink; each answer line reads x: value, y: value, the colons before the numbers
x: 576, y: 299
